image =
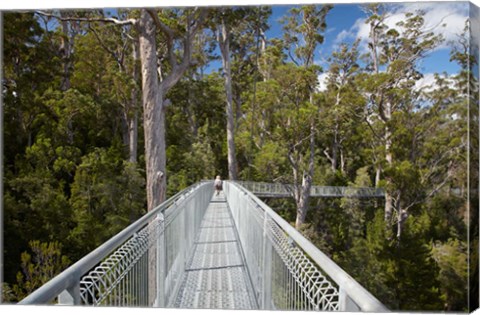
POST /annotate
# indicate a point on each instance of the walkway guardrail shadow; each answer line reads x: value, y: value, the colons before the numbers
x: 117, y: 272
x: 288, y: 272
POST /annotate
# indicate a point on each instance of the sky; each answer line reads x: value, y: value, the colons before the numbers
x: 346, y: 22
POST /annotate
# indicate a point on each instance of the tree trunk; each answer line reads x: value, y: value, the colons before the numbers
x: 401, y: 216
x: 65, y: 49
x: 342, y: 162
x: 334, y: 159
x: 266, y: 72
x: 133, y: 119
x: 389, y: 159
x: 335, y: 146
x: 238, y: 110
x: 133, y: 137
x: 190, y: 109
x: 304, y: 196
x: 225, y: 50
x: 378, y: 172
x: 302, y: 201
x: 154, y: 128
x: 153, y: 112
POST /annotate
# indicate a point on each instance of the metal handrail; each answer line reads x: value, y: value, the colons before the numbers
x: 70, y: 277
x: 350, y: 289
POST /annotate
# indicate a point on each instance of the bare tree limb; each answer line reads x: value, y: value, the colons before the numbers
x: 328, y: 155
x: 168, y: 33
x: 178, y: 70
x: 375, y: 134
x: 108, y: 50
x: 89, y: 19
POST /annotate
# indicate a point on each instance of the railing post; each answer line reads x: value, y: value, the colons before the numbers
x: 267, y: 267
x: 70, y: 296
x: 161, y: 254
x: 345, y: 303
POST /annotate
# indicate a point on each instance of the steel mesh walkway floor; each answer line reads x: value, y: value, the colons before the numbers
x: 216, y: 276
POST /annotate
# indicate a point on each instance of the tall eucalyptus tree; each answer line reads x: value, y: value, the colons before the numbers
x: 303, y: 32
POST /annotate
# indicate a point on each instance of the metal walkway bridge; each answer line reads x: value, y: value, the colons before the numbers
x: 277, y: 190
x: 199, y: 250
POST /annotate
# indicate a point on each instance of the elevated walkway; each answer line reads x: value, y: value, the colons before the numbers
x: 197, y: 251
x: 216, y: 276
x: 277, y: 190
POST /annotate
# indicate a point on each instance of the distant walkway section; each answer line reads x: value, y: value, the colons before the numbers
x: 276, y: 190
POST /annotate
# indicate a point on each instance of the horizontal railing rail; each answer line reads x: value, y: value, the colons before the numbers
x: 116, y: 273
x: 288, y: 271
x: 262, y: 189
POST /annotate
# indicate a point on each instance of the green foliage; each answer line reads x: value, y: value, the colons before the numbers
x: 405, y: 273
x: 45, y: 262
x: 451, y: 258
x: 8, y: 295
x: 270, y: 162
x: 305, y: 24
x: 107, y: 195
x: 195, y: 132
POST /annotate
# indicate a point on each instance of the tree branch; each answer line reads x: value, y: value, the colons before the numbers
x: 375, y: 134
x: 89, y: 19
x: 178, y: 70
x: 168, y: 33
x: 328, y: 155
x: 428, y: 195
x: 100, y: 41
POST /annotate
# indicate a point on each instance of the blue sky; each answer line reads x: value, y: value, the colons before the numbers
x: 345, y: 23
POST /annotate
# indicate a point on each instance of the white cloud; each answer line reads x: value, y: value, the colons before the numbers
x: 342, y: 36
x: 453, y: 15
x: 322, y: 82
x: 429, y: 84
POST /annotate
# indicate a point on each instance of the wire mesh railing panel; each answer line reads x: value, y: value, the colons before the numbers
x: 311, y: 289
x: 120, y: 279
x: 287, y: 271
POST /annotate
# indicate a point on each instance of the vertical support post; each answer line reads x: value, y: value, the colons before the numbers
x: 267, y: 267
x: 161, y: 254
x: 70, y: 296
x: 345, y: 303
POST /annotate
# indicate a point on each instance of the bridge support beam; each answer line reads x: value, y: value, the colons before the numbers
x: 267, y: 267
x: 346, y: 304
x: 161, y: 256
x: 70, y: 296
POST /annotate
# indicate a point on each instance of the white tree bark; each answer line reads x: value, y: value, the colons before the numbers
x: 133, y: 119
x: 154, y: 120
x: 154, y: 129
x: 389, y: 159
x: 224, y: 42
x: 385, y: 115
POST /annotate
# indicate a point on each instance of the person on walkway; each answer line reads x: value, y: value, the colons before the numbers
x: 218, y: 185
